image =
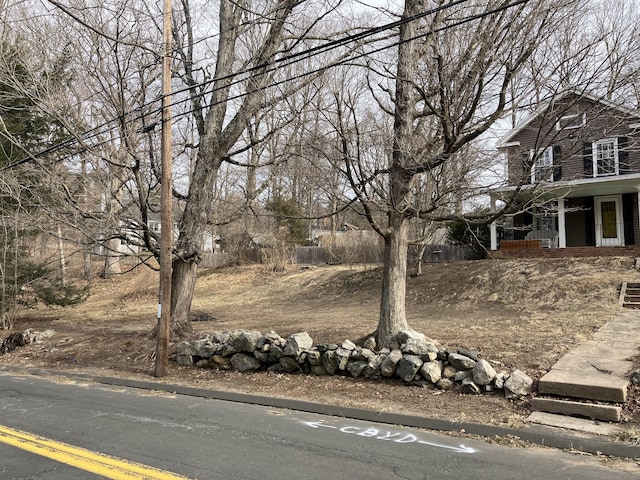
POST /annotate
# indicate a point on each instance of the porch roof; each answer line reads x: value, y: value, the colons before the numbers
x: 586, y: 187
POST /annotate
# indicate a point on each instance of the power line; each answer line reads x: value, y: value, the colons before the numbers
x: 276, y: 64
x: 279, y: 63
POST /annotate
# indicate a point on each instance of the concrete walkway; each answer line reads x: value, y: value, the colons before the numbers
x: 598, y: 369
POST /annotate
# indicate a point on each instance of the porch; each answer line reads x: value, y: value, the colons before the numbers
x: 571, y: 219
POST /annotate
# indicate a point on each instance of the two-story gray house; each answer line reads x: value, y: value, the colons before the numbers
x: 573, y: 169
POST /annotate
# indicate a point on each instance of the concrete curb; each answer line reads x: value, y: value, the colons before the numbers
x: 539, y: 435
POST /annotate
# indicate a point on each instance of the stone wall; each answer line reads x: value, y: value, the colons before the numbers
x: 419, y: 361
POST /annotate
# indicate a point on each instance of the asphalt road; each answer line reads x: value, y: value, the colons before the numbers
x: 212, y: 439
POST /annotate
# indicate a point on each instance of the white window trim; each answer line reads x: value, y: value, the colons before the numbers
x: 539, y: 154
x: 616, y: 157
x: 583, y: 121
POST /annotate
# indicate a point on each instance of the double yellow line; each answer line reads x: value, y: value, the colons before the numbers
x: 98, y: 463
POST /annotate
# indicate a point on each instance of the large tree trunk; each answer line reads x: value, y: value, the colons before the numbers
x: 392, y: 304
x: 218, y: 133
x: 188, y: 251
x: 183, y: 284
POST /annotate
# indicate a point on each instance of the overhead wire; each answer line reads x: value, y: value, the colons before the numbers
x: 276, y: 64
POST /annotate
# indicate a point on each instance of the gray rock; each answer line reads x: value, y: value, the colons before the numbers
x: 348, y: 345
x: 372, y: 369
x: 262, y: 356
x: 245, y: 363
x: 460, y: 362
x: 323, y: 347
x: 297, y: 343
x: 248, y: 341
x: 228, y: 349
x: 420, y: 346
x: 218, y: 361
x: 483, y: 373
x: 462, y: 375
x: 34, y: 336
x: 518, y: 385
x: 276, y: 368
x: 445, y: 384
x: 449, y: 371
x: 329, y: 361
x: 443, y: 355
x: 276, y: 352
x: 356, y: 367
x: 408, y: 366
x: 185, y: 348
x: 201, y: 347
x: 342, y: 357
x: 362, y: 354
x: 289, y: 364
x: 635, y: 377
x: 468, y: 353
x: 204, y: 363
x: 273, y: 338
x: 468, y: 386
x: 370, y: 343
x: 429, y: 356
x: 233, y: 340
x: 405, y: 335
x: 498, y: 382
x: 431, y: 371
x: 315, y: 357
x: 219, y: 337
x: 388, y: 366
x: 184, y: 360
x: 318, y: 370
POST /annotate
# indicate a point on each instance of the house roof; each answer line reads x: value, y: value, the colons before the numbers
x: 544, y: 106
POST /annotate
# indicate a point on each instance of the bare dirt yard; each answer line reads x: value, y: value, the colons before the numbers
x: 522, y: 313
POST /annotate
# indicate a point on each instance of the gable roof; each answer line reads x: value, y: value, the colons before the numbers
x: 544, y: 106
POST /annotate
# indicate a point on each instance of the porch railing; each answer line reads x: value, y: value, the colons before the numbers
x: 526, y: 237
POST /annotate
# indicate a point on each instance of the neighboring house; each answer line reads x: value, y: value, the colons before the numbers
x: 574, y: 168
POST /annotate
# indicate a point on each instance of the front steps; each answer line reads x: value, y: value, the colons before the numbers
x: 630, y: 295
x: 577, y: 386
x: 591, y: 380
x: 593, y: 411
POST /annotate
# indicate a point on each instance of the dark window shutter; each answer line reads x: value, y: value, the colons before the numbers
x: 587, y: 157
x: 623, y: 155
x: 557, y: 163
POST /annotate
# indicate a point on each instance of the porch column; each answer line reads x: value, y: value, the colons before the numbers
x: 493, y: 228
x: 635, y: 238
x: 562, y: 232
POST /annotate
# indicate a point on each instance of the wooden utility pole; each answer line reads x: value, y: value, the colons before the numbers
x: 166, y: 223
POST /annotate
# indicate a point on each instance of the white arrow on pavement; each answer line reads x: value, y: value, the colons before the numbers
x: 318, y: 425
x: 460, y: 449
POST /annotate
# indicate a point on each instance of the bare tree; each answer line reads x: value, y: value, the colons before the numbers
x: 251, y: 36
x: 452, y: 82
